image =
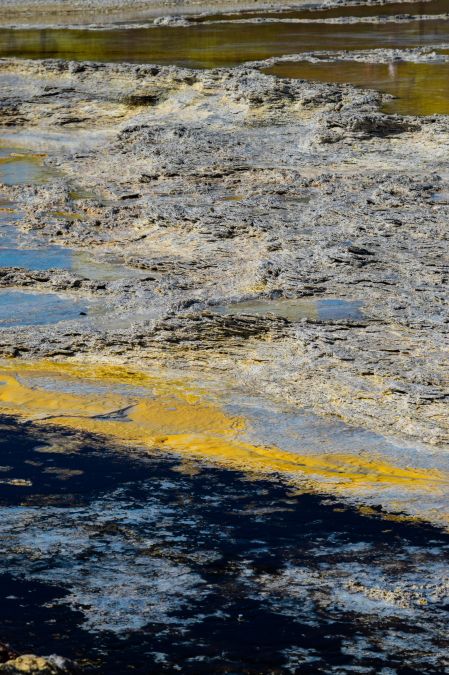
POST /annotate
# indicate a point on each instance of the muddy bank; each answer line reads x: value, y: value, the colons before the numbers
x: 283, y: 189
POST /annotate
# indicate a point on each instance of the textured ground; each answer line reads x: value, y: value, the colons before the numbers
x: 283, y: 189
x: 232, y: 252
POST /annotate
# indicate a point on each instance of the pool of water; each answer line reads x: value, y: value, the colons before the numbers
x: 329, y: 309
x: 213, y: 45
x: 22, y: 308
x: 419, y: 88
x: 363, y: 10
x: 18, y: 167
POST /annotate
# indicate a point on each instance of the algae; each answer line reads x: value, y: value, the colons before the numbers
x: 171, y: 416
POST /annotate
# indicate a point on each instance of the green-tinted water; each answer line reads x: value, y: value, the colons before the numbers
x: 361, y: 11
x: 213, y: 45
x: 420, y: 88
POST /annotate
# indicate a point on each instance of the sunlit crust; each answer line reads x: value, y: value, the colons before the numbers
x: 171, y: 415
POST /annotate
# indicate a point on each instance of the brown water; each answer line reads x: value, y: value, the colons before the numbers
x: 213, y: 45
x: 420, y: 88
x: 391, y: 9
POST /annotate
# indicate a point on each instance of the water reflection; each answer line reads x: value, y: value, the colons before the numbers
x: 420, y: 88
x: 19, y: 308
x: 365, y: 10
x: 18, y: 167
x: 214, y: 45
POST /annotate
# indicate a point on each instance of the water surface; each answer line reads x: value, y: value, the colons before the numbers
x: 19, y: 167
x: 362, y: 10
x: 214, y: 45
x: 23, y: 308
x: 29, y: 250
x: 419, y: 88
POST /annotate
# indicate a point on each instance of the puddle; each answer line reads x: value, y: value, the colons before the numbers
x: 21, y: 168
x: 420, y: 88
x: 34, y: 259
x: 102, y: 270
x: 329, y: 309
x: 29, y: 251
x: 440, y: 198
x: 214, y: 45
x: 21, y: 308
x: 54, y: 257
x: 103, y: 549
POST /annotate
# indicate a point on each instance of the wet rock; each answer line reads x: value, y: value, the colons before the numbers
x: 373, y: 124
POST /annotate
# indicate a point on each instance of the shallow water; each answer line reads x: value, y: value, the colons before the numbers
x: 22, y: 308
x: 208, y: 46
x: 134, y: 564
x: 102, y: 270
x: 363, y: 10
x: 328, y: 309
x: 35, y: 259
x: 19, y: 167
x: 420, y: 88
x: 56, y: 257
x: 29, y: 250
